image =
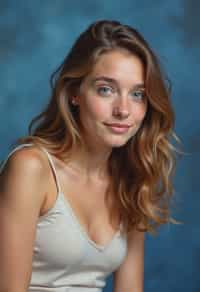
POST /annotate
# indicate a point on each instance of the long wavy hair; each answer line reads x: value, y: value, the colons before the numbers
x: 141, y: 172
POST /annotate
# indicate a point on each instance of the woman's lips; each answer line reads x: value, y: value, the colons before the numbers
x: 119, y: 129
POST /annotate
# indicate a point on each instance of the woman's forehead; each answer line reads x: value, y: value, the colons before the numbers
x: 118, y: 67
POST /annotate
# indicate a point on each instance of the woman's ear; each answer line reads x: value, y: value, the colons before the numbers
x: 74, y: 100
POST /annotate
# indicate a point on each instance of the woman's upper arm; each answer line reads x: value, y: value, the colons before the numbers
x: 129, y: 276
x: 21, y: 197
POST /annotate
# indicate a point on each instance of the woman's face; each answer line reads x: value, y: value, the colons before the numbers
x: 112, y: 102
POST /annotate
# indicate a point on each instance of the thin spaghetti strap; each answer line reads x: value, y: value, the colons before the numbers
x: 53, y: 168
x: 11, y: 152
x: 48, y: 156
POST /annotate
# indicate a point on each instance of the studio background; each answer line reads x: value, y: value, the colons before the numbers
x: 34, y: 38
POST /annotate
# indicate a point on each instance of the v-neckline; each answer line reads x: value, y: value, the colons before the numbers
x: 98, y: 246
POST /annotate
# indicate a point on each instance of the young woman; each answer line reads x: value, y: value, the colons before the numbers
x: 95, y: 173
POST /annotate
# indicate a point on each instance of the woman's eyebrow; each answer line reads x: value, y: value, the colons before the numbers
x: 111, y: 80
x: 104, y: 78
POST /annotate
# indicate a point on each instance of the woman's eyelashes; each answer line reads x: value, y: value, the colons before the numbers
x: 139, y: 95
x: 106, y: 90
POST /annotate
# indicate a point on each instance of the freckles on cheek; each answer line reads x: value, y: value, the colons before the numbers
x: 142, y: 112
x: 97, y: 110
x: 140, y: 115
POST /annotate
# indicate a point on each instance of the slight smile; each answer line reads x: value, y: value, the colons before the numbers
x: 118, y: 128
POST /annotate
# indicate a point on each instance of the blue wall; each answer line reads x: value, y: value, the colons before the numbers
x: 36, y: 35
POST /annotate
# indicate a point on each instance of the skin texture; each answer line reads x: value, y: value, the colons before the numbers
x: 21, y: 205
x: 97, y: 107
x: 100, y: 102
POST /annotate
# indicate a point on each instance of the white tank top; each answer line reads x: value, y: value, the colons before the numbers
x: 65, y: 258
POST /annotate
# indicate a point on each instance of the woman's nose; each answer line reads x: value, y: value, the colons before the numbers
x: 121, y: 108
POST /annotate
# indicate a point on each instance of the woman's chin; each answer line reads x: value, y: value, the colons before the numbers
x: 117, y: 142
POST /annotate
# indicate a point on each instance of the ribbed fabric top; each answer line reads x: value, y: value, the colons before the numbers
x: 65, y: 258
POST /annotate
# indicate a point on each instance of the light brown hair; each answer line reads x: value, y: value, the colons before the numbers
x: 141, y: 172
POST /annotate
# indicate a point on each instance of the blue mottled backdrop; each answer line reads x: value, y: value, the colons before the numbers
x: 36, y: 35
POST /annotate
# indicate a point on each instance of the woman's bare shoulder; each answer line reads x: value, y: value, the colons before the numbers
x: 30, y: 158
x: 26, y: 168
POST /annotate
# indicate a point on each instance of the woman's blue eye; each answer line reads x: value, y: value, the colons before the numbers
x: 104, y: 90
x: 139, y: 94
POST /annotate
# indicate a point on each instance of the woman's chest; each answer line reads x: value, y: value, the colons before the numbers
x: 62, y: 242
x: 86, y: 200
x: 75, y: 228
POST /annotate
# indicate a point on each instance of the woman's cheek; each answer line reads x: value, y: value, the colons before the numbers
x: 99, y: 108
x: 141, y: 112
